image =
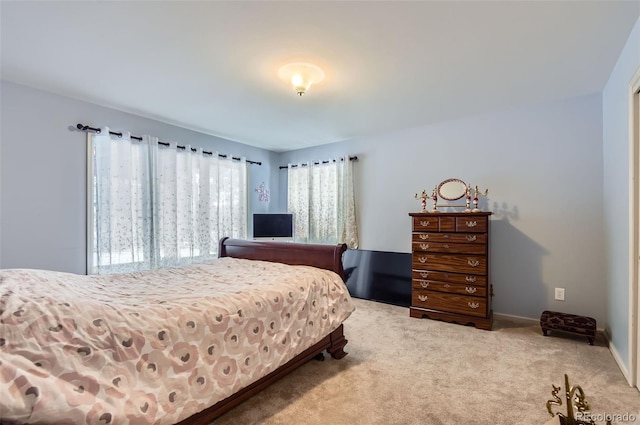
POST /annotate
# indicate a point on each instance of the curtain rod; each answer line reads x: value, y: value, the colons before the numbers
x: 351, y: 158
x: 97, y: 130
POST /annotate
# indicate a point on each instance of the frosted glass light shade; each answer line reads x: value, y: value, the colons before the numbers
x: 301, y: 75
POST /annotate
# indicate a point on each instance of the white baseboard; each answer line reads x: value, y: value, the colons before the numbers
x: 513, y: 318
x: 612, y: 347
x: 618, y: 359
x: 531, y: 321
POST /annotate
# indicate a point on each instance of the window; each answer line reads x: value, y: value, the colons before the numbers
x: 152, y: 206
x: 321, y: 199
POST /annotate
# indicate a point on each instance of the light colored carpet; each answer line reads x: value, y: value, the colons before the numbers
x: 402, y: 370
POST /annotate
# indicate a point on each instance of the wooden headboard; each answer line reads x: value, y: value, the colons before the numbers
x: 327, y: 257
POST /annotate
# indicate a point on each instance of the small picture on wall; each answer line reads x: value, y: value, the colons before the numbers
x: 263, y: 193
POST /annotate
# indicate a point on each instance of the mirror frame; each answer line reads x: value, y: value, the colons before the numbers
x: 449, y: 196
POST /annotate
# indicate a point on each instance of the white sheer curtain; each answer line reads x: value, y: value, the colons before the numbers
x: 321, y: 199
x: 153, y: 206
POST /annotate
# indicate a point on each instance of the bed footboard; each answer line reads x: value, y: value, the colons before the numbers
x: 328, y: 257
x: 333, y: 343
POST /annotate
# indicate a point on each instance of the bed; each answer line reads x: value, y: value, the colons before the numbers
x: 180, y: 345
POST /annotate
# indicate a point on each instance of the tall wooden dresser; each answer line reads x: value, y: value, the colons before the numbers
x: 450, y: 268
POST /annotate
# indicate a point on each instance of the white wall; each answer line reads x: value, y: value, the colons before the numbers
x: 615, y: 99
x: 543, y: 167
x: 43, y: 173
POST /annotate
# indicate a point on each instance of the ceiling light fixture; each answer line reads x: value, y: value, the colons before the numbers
x: 301, y: 75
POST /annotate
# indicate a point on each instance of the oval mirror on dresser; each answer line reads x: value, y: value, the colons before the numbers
x: 452, y: 189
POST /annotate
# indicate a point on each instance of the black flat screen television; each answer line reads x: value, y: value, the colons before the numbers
x: 273, y: 225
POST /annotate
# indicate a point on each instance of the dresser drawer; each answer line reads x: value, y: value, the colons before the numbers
x: 474, y: 264
x: 453, y: 288
x: 454, y: 303
x: 450, y: 237
x: 454, y: 248
x: 461, y: 278
x: 472, y: 224
x: 425, y: 224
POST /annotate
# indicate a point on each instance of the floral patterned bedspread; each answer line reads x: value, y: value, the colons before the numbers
x: 157, y: 346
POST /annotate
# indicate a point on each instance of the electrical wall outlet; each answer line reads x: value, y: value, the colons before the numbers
x: 560, y: 294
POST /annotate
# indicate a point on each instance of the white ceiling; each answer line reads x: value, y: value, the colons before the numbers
x: 211, y: 66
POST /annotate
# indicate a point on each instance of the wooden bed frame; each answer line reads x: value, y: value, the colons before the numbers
x: 327, y: 257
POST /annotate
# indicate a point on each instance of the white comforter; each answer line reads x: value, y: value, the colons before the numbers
x: 158, y: 346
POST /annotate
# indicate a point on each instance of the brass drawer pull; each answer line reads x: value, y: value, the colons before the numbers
x: 424, y: 237
x: 446, y: 246
x: 422, y: 259
x: 424, y: 284
x: 470, y: 289
x: 473, y: 263
x: 471, y: 238
x: 424, y: 223
x: 423, y: 297
x: 473, y: 305
x: 445, y: 236
x: 424, y: 246
x: 471, y: 223
x: 446, y: 285
x: 470, y: 279
x: 424, y: 274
